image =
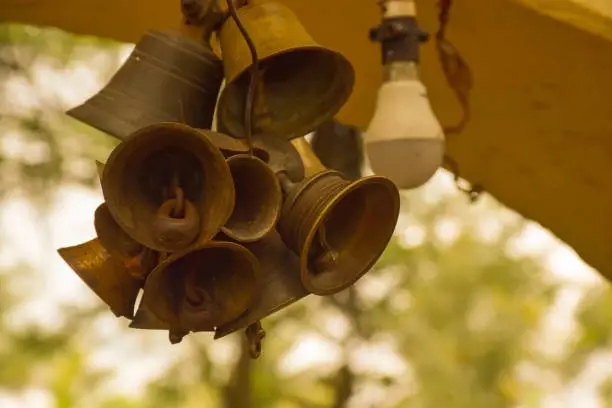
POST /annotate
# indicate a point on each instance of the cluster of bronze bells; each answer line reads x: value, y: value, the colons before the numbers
x: 218, y: 235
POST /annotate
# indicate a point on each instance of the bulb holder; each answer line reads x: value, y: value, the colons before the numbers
x: 400, y: 38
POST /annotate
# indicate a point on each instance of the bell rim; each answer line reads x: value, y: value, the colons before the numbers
x: 305, y: 274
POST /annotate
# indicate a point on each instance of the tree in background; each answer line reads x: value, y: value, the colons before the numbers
x: 449, y: 316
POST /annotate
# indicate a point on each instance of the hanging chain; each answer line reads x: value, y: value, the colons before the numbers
x: 254, y: 336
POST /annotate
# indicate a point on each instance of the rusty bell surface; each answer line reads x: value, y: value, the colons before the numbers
x: 168, y: 187
x: 301, y: 83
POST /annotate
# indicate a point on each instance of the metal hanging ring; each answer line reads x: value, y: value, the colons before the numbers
x: 176, y: 232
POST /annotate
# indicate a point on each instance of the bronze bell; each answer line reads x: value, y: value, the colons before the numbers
x: 204, y: 287
x: 168, y: 187
x: 258, y: 199
x: 280, y: 283
x: 338, y: 227
x: 105, y: 275
x: 167, y: 78
x: 301, y: 83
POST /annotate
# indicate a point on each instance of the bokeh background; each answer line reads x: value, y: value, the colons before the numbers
x: 470, y: 307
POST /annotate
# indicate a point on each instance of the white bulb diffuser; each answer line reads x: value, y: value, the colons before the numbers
x: 404, y: 140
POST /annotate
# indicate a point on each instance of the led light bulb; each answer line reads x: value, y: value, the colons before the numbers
x: 404, y: 140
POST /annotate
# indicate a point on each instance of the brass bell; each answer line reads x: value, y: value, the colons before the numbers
x: 105, y: 275
x: 301, y: 83
x: 338, y: 227
x: 205, y: 287
x: 258, y: 199
x: 168, y: 187
x: 280, y: 283
x: 167, y: 78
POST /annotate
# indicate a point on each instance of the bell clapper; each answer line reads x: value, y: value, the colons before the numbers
x: 254, y: 335
x: 197, y: 304
x: 326, y: 256
x: 177, y: 219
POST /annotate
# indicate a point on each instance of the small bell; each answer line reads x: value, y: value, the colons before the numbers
x: 339, y: 228
x: 258, y: 199
x: 204, y: 287
x: 168, y: 187
x: 168, y: 77
x: 301, y: 83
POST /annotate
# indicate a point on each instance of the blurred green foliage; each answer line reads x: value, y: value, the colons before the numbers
x: 462, y: 315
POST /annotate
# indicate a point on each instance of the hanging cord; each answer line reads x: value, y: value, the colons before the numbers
x: 459, y: 77
x: 254, y: 79
x: 457, y: 72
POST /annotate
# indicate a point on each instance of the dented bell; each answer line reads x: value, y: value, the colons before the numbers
x: 280, y: 283
x: 168, y: 187
x: 167, y: 78
x: 338, y: 227
x: 301, y: 83
x: 258, y: 199
x: 205, y: 287
x: 105, y: 275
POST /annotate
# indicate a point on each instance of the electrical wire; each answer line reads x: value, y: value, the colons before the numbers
x: 249, y: 104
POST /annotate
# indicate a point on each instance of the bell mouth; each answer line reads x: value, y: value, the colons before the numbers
x: 258, y: 199
x: 206, y: 287
x: 143, y: 172
x: 358, y: 224
x: 321, y: 80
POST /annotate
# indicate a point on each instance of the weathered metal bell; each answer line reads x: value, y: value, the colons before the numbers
x: 338, y: 227
x: 156, y: 171
x: 280, y: 283
x: 105, y: 275
x: 167, y: 78
x: 136, y: 258
x: 205, y: 287
x: 258, y: 199
x: 301, y: 83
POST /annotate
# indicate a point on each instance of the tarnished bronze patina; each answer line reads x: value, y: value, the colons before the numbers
x: 258, y: 199
x: 205, y: 287
x: 338, y: 227
x: 167, y: 78
x: 168, y: 187
x: 301, y: 83
x: 137, y: 259
x: 280, y: 283
x: 105, y: 275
